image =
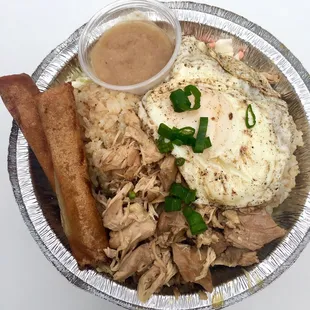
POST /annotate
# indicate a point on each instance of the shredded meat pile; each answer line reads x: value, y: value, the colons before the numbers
x: 153, y: 247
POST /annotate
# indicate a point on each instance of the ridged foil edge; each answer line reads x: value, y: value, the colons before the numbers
x: 268, y: 270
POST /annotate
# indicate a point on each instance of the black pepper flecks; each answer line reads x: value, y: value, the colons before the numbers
x: 230, y: 116
x: 243, y: 150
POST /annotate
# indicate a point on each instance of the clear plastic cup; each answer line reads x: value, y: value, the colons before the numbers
x: 119, y: 11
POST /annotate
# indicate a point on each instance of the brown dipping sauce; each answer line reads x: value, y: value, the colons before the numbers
x: 131, y: 52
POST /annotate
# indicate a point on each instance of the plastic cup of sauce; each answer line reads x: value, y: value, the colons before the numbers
x: 130, y: 46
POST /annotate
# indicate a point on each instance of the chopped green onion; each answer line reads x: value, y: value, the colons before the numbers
x: 178, y: 190
x: 187, y: 140
x: 183, y: 136
x: 179, y: 161
x: 191, y: 141
x: 190, y: 197
x: 177, y: 142
x: 180, y: 101
x: 195, y: 221
x: 172, y: 204
x: 197, y: 224
x: 187, y: 131
x: 201, y: 136
x: 165, y: 131
x: 207, y: 143
x: 186, y: 135
x: 185, y: 194
x: 187, y: 211
x: 132, y: 195
x: 249, y: 109
x: 193, y: 90
x: 163, y: 146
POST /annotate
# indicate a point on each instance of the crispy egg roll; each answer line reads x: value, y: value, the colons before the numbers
x: 19, y: 94
x: 81, y: 220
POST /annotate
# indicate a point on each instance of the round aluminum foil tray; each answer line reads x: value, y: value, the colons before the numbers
x: 39, y: 207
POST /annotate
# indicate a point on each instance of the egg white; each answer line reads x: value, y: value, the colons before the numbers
x: 244, y: 166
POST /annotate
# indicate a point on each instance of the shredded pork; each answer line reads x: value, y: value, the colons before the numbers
x: 256, y: 229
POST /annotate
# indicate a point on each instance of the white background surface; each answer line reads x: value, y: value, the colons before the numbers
x: 29, y: 30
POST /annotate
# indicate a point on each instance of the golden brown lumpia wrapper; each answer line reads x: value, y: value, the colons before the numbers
x: 19, y: 94
x: 81, y: 220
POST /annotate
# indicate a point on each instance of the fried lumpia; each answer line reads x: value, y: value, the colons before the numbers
x: 19, y: 94
x: 80, y: 218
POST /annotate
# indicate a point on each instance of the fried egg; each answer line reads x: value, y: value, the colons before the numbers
x: 244, y: 167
